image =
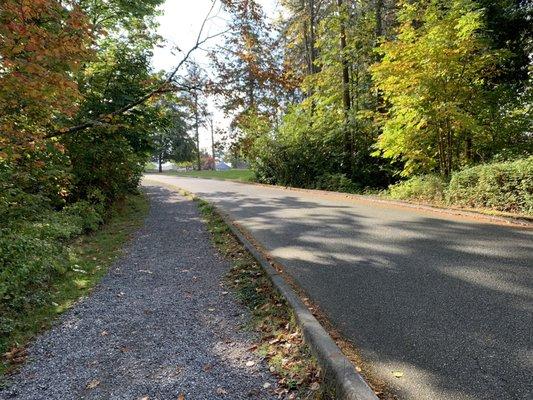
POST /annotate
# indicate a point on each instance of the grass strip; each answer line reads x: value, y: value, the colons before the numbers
x: 243, y: 175
x: 281, y: 341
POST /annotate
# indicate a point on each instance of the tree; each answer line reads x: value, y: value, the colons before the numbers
x: 43, y: 45
x: 195, y: 101
x: 433, y: 76
x: 170, y: 140
x: 249, y: 77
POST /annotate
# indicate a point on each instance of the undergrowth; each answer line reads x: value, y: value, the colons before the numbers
x: 78, y: 260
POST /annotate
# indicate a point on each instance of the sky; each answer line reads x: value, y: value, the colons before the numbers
x: 179, y: 26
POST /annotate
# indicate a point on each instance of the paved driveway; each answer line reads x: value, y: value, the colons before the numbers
x: 446, y: 300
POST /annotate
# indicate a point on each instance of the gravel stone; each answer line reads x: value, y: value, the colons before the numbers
x: 159, y: 325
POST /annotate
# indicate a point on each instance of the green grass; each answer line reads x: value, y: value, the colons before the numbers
x: 244, y: 175
x: 89, y: 257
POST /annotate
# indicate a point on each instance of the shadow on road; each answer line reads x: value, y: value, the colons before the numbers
x: 448, y: 300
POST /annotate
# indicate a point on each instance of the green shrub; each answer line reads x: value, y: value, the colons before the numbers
x: 29, y: 262
x: 422, y: 188
x: 336, y: 182
x: 89, y: 215
x: 35, y: 251
x: 504, y: 186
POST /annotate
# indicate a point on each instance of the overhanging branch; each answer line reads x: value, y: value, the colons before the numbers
x: 164, y: 87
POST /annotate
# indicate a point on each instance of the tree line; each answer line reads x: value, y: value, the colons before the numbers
x: 363, y: 93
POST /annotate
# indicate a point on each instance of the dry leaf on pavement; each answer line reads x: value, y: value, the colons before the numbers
x: 92, y: 384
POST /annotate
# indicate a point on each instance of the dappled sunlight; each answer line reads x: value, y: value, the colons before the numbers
x: 494, y: 282
x: 446, y: 297
x: 407, y: 379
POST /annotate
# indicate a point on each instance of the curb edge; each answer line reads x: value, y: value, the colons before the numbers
x: 349, y: 384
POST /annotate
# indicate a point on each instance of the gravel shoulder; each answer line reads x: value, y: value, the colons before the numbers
x: 159, y: 325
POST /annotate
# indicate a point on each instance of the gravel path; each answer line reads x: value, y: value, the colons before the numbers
x: 160, y: 324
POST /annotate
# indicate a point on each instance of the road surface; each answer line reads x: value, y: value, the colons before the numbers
x: 445, y: 300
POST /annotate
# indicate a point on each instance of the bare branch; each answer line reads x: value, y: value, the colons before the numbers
x: 163, y: 87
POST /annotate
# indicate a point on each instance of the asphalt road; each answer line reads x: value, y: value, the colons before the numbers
x: 445, y: 300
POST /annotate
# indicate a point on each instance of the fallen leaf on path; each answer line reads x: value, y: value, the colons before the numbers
x: 181, y: 396
x: 92, y: 384
x: 144, y: 398
x: 397, y: 374
x: 250, y: 363
x: 221, y: 391
x: 314, y: 386
x: 266, y: 385
x: 16, y: 355
x: 104, y: 333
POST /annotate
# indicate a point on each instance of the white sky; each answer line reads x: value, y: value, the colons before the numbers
x: 179, y: 26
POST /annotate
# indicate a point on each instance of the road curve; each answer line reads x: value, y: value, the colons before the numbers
x: 445, y: 300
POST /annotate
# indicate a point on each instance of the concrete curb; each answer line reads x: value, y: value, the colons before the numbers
x: 339, y: 371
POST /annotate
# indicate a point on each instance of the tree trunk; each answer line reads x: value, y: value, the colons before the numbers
x: 197, y: 132
x: 251, y: 89
x: 312, y: 36
x: 159, y: 162
x: 346, y: 98
x: 213, y: 145
x: 469, y: 147
x: 379, y: 18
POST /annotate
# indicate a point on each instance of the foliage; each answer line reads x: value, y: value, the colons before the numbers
x: 321, y: 134
x: 44, y: 43
x: 433, y: 75
x: 170, y: 141
x: 33, y: 253
x: 119, y: 74
x: 251, y: 81
x: 505, y: 186
x: 336, y: 182
x: 386, y: 88
x: 426, y: 188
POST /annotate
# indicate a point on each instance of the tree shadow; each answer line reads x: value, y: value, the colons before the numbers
x: 447, y: 299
